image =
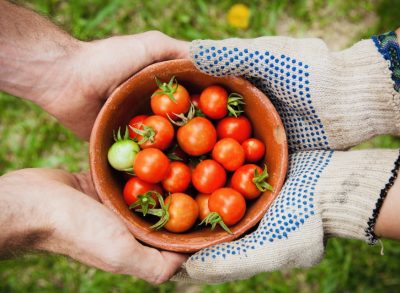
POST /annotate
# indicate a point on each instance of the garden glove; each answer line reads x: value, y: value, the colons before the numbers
x: 327, y: 194
x: 326, y: 101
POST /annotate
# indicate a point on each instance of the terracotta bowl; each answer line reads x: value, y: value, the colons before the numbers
x: 132, y: 98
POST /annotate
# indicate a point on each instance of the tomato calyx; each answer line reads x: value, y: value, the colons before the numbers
x: 168, y: 89
x: 259, y: 180
x: 182, y: 118
x: 144, y: 201
x: 162, y: 212
x: 147, y: 133
x: 235, y: 104
x: 118, y: 137
x: 213, y: 218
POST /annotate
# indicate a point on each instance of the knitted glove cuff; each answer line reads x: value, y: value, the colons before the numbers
x: 388, y: 46
x: 352, y: 191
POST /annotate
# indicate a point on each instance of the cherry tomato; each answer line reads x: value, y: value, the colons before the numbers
x: 254, y: 149
x: 151, y: 165
x: 178, y: 178
x: 122, y: 152
x: 197, y: 137
x: 202, y: 202
x: 242, y: 181
x: 214, y: 102
x: 208, y: 176
x: 170, y: 99
x: 157, y: 132
x: 183, y: 212
x: 136, y: 122
x: 229, y: 153
x: 136, y: 186
x: 238, y: 128
x: 229, y: 204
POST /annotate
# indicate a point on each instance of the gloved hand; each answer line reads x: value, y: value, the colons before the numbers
x: 327, y: 194
x: 326, y: 101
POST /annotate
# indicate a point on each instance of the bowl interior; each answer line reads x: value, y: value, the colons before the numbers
x: 132, y: 98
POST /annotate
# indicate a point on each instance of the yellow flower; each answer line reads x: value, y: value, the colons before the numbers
x: 238, y: 16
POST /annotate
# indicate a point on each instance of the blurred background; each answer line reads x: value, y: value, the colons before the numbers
x: 30, y: 137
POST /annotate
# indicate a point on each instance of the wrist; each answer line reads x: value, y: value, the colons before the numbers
x: 37, y: 73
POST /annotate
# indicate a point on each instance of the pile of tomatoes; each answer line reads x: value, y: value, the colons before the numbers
x: 197, y: 145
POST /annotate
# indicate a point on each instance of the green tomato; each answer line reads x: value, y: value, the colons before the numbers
x: 122, y: 153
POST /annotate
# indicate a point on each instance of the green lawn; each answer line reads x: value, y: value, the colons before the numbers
x: 31, y: 138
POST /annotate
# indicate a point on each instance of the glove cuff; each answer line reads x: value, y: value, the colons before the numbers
x: 356, y: 97
x: 387, y: 44
x: 352, y: 190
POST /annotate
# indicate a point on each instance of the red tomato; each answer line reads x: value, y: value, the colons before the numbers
x: 183, y: 212
x: 229, y: 153
x: 229, y: 204
x: 158, y: 133
x: 197, y: 137
x: 214, y: 102
x: 170, y: 99
x: 135, y: 186
x: 136, y: 122
x: 242, y: 181
x: 238, y: 128
x: 151, y: 165
x: 208, y: 176
x: 254, y: 149
x: 178, y: 178
x: 202, y: 202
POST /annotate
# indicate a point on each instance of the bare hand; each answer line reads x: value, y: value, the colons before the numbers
x: 98, y: 67
x: 56, y: 211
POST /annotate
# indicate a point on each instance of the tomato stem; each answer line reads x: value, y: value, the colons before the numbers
x: 235, y: 104
x: 118, y: 137
x: 147, y: 133
x: 144, y: 201
x: 167, y: 89
x: 259, y: 180
x: 184, y: 119
x: 162, y: 212
x: 214, y: 218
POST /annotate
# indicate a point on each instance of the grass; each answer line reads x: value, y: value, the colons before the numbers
x: 31, y: 138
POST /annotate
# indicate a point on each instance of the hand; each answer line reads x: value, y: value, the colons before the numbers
x: 327, y: 100
x: 59, y: 212
x: 69, y: 78
x: 327, y: 194
x: 97, y: 68
x: 323, y: 104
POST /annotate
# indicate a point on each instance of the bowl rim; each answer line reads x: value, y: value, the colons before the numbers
x: 137, y: 230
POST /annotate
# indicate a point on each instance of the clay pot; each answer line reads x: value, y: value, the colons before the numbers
x: 132, y: 98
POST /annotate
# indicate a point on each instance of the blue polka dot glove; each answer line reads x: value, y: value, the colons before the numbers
x: 327, y: 194
x: 327, y: 100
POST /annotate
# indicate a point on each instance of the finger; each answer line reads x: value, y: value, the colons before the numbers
x: 122, y: 56
x: 167, y: 48
x: 265, y: 57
